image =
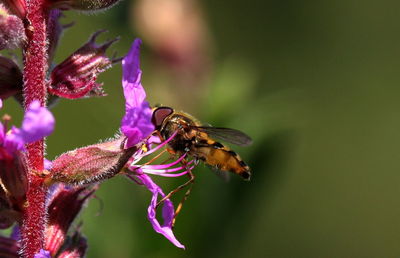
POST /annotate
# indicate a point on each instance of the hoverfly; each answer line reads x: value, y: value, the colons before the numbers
x: 197, y: 141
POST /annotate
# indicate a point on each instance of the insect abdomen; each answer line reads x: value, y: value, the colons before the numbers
x: 221, y: 157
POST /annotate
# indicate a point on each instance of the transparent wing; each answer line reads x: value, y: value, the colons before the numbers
x: 223, y: 175
x: 227, y: 134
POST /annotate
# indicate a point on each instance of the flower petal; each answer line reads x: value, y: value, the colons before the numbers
x: 38, y: 123
x: 131, y: 76
x: 13, y: 140
x: 15, y: 233
x: 43, y: 254
x: 136, y: 124
x: 167, y: 211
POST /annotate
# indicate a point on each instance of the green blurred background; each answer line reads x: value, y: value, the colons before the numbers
x: 316, y: 85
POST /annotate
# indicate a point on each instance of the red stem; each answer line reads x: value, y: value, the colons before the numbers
x: 35, y: 69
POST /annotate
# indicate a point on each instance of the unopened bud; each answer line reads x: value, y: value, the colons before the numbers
x: 13, y: 175
x: 7, y: 215
x: 10, y: 78
x: 64, y: 207
x: 9, y: 212
x: 82, y: 5
x: 76, y: 76
x: 12, y: 31
x: 91, y: 164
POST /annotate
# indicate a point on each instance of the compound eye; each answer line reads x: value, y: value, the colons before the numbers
x: 159, y: 114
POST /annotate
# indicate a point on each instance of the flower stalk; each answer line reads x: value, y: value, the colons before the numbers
x: 35, y: 69
x: 42, y: 198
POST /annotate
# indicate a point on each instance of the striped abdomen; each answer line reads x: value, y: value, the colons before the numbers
x: 222, y: 158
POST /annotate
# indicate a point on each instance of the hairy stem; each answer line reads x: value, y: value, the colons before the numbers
x: 35, y: 69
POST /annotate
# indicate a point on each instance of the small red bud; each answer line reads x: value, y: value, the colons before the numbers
x: 9, y: 212
x: 64, y: 207
x: 12, y: 31
x: 76, y: 76
x: 91, y: 164
x: 13, y: 186
x: 7, y: 215
x: 10, y: 78
x: 13, y: 175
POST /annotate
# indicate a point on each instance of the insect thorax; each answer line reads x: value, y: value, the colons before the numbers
x: 184, y: 139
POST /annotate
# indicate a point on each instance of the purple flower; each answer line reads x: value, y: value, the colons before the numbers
x: 138, y: 174
x: 38, y: 122
x: 136, y: 124
x: 43, y: 254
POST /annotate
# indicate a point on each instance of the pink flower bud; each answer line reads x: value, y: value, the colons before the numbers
x: 91, y: 163
x: 76, y: 76
x: 12, y: 31
x: 10, y: 78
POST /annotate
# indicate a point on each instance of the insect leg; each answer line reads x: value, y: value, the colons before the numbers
x: 190, y: 181
x: 180, y: 205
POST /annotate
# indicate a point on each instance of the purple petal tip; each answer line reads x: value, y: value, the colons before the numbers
x: 167, y: 212
x: 43, y: 254
x: 136, y: 124
x: 38, y: 123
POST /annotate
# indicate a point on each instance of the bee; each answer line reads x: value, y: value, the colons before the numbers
x: 198, y: 141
